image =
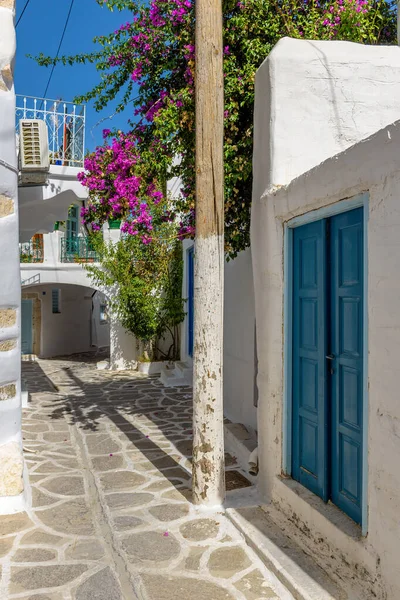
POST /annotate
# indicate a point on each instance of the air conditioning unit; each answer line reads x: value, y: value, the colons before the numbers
x: 33, y: 145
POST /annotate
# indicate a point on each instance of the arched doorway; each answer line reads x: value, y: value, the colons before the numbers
x: 60, y: 319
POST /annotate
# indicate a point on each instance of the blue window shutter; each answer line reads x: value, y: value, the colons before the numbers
x: 310, y: 427
x: 346, y: 254
x: 190, y: 257
x: 26, y: 326
x: 55, y: 300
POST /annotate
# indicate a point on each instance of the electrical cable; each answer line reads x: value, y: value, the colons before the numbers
x: 22, y: 13
x: 59, y: 47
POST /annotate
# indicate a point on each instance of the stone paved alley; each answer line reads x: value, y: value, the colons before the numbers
x: 109, y: 467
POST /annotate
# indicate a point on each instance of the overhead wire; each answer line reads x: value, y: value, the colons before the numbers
x: 59, y: 46
x: 22, y: 13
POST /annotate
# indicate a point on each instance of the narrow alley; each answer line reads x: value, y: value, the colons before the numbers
x: 109, y: 467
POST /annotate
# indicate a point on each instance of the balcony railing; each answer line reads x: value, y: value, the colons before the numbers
x: 65, y: 125
x: 77, y: 250
x: 31, y: 252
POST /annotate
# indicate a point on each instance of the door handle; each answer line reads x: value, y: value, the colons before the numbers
x: 330, y: 357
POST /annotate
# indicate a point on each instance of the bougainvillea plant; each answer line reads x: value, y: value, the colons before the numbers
x: 148, y: 63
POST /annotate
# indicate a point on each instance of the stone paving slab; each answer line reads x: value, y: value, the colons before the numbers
x: 111, y: 518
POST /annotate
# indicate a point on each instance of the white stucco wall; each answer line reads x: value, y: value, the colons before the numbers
x: 100, y: 330
x: 42, y: 205
x: 374, y: 166
x: 239, y: 332
x: 239, y: 342
x: 11, y: 463
x: 74, y: 329
x: 124, y: 349
x: 315, y: 99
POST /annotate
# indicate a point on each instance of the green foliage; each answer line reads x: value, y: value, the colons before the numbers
x: 156, y: 50
x: 143, y: 283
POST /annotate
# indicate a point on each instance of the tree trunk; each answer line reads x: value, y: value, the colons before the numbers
x: 208, y: 443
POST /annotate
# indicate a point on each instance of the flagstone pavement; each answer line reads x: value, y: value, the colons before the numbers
x: 109, y: 466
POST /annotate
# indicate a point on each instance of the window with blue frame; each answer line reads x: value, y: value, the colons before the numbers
x: 327, y: 361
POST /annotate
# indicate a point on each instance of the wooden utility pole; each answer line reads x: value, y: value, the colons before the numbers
x: 208, y: 427
x: 398, y: 22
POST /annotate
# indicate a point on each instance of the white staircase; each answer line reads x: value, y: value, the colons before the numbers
x: 178, y: 374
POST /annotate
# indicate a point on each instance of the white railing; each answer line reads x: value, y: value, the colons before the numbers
x: 65, y: 125
x: 31, y: 280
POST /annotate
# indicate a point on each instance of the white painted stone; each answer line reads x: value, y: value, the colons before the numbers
x: 103, y: 365
x: 208, y: 429
x: 10, y: 410
x: 11, y: 469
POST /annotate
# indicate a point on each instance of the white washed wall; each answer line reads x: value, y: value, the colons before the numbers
x: 239, y: 342
x: 74, y: 329
x: 370, y: 166
x: 315, y: 99
x: 11, y: 461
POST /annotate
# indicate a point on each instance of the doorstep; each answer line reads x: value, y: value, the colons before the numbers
x: 240, y: 442
x: 283, y: 556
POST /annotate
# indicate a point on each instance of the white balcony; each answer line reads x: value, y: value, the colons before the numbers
x: 44, y: 197
x: 54, y: 258
x: 65, y: 124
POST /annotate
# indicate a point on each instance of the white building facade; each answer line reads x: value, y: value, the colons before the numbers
x: 11, y: 459
x: 325, y: 248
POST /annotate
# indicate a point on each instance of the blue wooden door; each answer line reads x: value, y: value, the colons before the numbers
x: 346, y: 350
x: 190, y: 267
x: 310, y: 459
x: 26, y: 326
x: 328, y: 359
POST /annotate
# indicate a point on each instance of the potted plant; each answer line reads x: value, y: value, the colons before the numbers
x: 114, y: 223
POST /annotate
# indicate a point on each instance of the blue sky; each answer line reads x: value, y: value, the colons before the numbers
x: 40, y: 30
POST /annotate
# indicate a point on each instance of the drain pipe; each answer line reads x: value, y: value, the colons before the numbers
x: 253, y: 462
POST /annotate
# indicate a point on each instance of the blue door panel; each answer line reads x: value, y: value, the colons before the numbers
x: 346, y: 255
x: 190, y: 261
x: 328, y: 359
x: 26, y: 326
x: 309, y: 366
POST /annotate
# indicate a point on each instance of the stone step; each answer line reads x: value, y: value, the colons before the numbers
x: 240, y: 442
x: 168, y: 377
x: 298, y: 571
x: 181, y: 375
x: 28, y: 357
x: 183, y: 366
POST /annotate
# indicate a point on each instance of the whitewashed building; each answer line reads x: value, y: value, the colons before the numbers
x: 325, y: 249
x: 11, y: 460
x: 61, y: 313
